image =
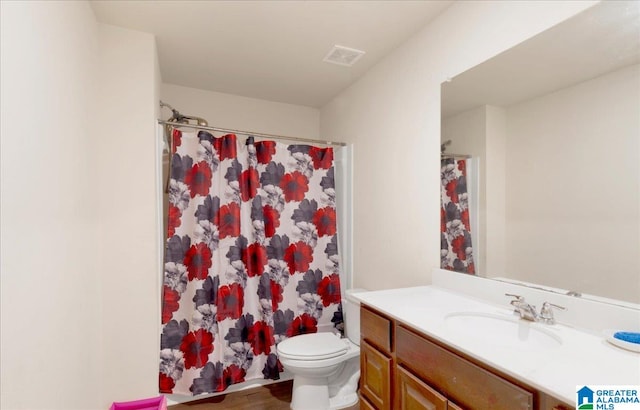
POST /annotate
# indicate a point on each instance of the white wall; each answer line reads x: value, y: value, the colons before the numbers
x: 125, y: 163
x: 242, y: 113
x: 80, y: 289
x: 572, y: 185
x: 51, y: 338
x: 467, y: 132
x: 495, y: 182
x: 392, y: 115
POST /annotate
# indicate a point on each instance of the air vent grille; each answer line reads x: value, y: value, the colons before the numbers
x: 343, y: 56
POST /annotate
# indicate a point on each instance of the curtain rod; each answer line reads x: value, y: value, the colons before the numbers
x: 249, y: 133
x: 454, y: 156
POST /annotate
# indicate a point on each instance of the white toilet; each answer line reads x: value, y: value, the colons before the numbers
x: 325, y: 367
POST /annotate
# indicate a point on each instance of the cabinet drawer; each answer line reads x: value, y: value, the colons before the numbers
x: 375, y: 329
x: 375, y: 376
x: 414, y: 394
x: 470, y: 386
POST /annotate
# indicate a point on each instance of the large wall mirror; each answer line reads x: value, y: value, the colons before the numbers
x: 552, y: 131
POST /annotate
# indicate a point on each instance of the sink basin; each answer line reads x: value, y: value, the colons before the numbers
x: 503, y: 331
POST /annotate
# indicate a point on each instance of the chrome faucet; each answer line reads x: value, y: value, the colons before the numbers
x: 522, y: 308
x: 528, y: 312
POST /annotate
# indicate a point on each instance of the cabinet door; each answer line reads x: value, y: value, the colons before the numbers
x: 451, y: 406
x: 414, y: 394
x: 365, y: 405
x: 375, y: 376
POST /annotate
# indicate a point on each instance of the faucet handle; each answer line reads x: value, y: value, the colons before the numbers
x: 517, y: 298
x: 547, y: 306
x: 546, y: 312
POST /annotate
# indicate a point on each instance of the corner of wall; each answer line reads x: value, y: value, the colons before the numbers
x: 158, y: 78
x: 126, y: 174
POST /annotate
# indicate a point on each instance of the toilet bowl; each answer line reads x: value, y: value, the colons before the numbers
x: 325, y: 367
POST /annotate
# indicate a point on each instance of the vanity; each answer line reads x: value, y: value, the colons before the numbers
x: 403, y: 368
x: 435, y: 347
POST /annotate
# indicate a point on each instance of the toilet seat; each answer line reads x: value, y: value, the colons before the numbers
x: 313, y: 346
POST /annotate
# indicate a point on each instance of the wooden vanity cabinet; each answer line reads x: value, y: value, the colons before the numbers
x: 404, y: 369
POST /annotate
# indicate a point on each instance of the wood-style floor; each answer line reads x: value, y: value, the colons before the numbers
x: 275, y: 396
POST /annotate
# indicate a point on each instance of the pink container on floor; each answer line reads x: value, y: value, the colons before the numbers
x: 154, y: 403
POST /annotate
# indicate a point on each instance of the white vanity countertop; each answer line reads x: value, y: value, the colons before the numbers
x: 583, y: 358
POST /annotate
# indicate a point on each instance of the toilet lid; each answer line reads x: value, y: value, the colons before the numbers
x: 313, y: 346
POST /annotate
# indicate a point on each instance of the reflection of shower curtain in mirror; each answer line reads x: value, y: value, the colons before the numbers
x: 251, y: 258
x: 456, y: 251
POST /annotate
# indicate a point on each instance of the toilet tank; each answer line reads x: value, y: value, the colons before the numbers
x: 351, y: 315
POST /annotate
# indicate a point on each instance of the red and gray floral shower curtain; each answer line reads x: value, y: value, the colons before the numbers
x: 251, y: 258
x: 456, y: 251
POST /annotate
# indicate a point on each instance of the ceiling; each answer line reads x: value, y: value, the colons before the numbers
x: 270, y: 50
x: 602, y: 39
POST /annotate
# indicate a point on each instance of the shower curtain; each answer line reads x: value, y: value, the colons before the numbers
x: 251, y: 258
x: 456, y: 250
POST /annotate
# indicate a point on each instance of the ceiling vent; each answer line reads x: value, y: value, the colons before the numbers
x: 343, y: 56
